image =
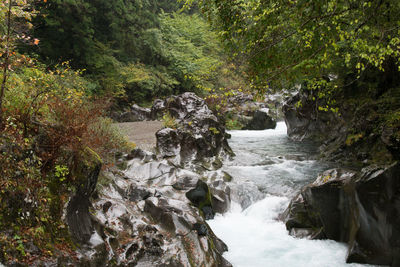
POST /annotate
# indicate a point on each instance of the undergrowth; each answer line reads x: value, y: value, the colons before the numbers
x: 49, y: 118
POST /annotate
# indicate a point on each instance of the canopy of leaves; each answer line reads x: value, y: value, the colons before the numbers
x: 289, y: 41
x: 134, y: 50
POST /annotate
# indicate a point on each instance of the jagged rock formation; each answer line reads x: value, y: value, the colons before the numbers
x: 198, y: 137
x: 135, y: 113
x: 359, y: 208
x: 305, y: 122
x: 362, y: 132
x: 261, y: 121
x: 154, y: 212
x: 251, y: 115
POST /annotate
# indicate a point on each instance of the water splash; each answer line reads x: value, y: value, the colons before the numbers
x: 279, y: 168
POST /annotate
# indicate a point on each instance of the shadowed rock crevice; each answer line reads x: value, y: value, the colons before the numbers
x: 361, y: 209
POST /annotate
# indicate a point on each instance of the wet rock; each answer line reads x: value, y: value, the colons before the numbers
x: 304, y: 122
x: 78, y: 218
x: 185, y: 182
x: 200, y: 194
x: 201, y: 229
x: 261, y: 121
x: 201, y: 197
x: 207, y: 212
x: 138, y: 193
x: 168, y: 142
x: 138, y: 153
x: 359, y: 208
x: 220, y: 196
x: 391, y: 141
x: 141, y: 216
x: 199, y: 135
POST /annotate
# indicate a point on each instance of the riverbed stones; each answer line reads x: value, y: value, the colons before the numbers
x: 359, y: 208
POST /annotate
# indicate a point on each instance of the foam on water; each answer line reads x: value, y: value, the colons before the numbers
x: 256, y: 239
x: 254, y: 236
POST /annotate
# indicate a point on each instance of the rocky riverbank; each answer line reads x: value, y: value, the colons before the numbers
x: 359, y: 206
x: 152, y: 211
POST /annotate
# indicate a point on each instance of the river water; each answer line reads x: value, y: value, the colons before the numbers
x: 277, y: 168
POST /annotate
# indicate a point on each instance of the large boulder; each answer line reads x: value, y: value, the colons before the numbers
x: 359, y: 208
x: 145, y: 219
x: 261, y: 121
x: 304, y: 121
x: 199, y: 135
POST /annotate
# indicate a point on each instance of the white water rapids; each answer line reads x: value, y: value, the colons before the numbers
x: 278, y: 168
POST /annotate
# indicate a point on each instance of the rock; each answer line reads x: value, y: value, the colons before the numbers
x: 201, y: 229
x: 141, y: 215
x: 138, y: 193
x: 138, y: 153
x: 201, y: 197
x: 261, y: 121
x: 392, y: 141
x: 220, y: 196
x: 200, y: 194
x: 304, y: 122
x: 186, y: 181
x: 359, y: 208
x: 168, y: 142
x: 135, y: 113
x: 199, y: 135
x: 207, y: 212
x: 78, y: 218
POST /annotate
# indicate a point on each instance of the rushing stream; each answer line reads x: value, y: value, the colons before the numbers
x: 269, y: 161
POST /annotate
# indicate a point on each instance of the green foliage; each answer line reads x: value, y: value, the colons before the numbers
x: 132, y: 49
x: 169, y: 121
x: 353, y: 138
x: 214, y: 130
x: 288, y: 42
x: 61, y: 172
x: 50, y: 117
x: 233, y: 124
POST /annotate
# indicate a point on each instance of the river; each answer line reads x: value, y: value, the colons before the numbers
x: 277, y: 167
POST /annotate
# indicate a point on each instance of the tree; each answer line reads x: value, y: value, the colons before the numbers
x: 9, y: 10
x: 286, y: 42
x: 6, y: 60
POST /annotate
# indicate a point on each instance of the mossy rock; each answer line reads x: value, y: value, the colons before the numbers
x: 201, y: 197
x: 86, y: 171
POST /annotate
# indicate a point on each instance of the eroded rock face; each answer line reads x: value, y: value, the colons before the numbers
x: 361, y: 209
x: 304, y: 122
x: 154, y: 212
x: 144, y: 217
x: 78, y: 218
x: 261, y: 121
x: 199, y: 135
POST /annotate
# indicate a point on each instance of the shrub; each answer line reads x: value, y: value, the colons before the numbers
x: 50, y: 117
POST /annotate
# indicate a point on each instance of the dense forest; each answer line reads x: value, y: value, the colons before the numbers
x: 66, y: 65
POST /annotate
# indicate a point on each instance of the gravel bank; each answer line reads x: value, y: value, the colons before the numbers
x: 142, y: 133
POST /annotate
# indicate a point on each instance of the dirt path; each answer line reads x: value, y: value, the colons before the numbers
x: 142, y: 133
